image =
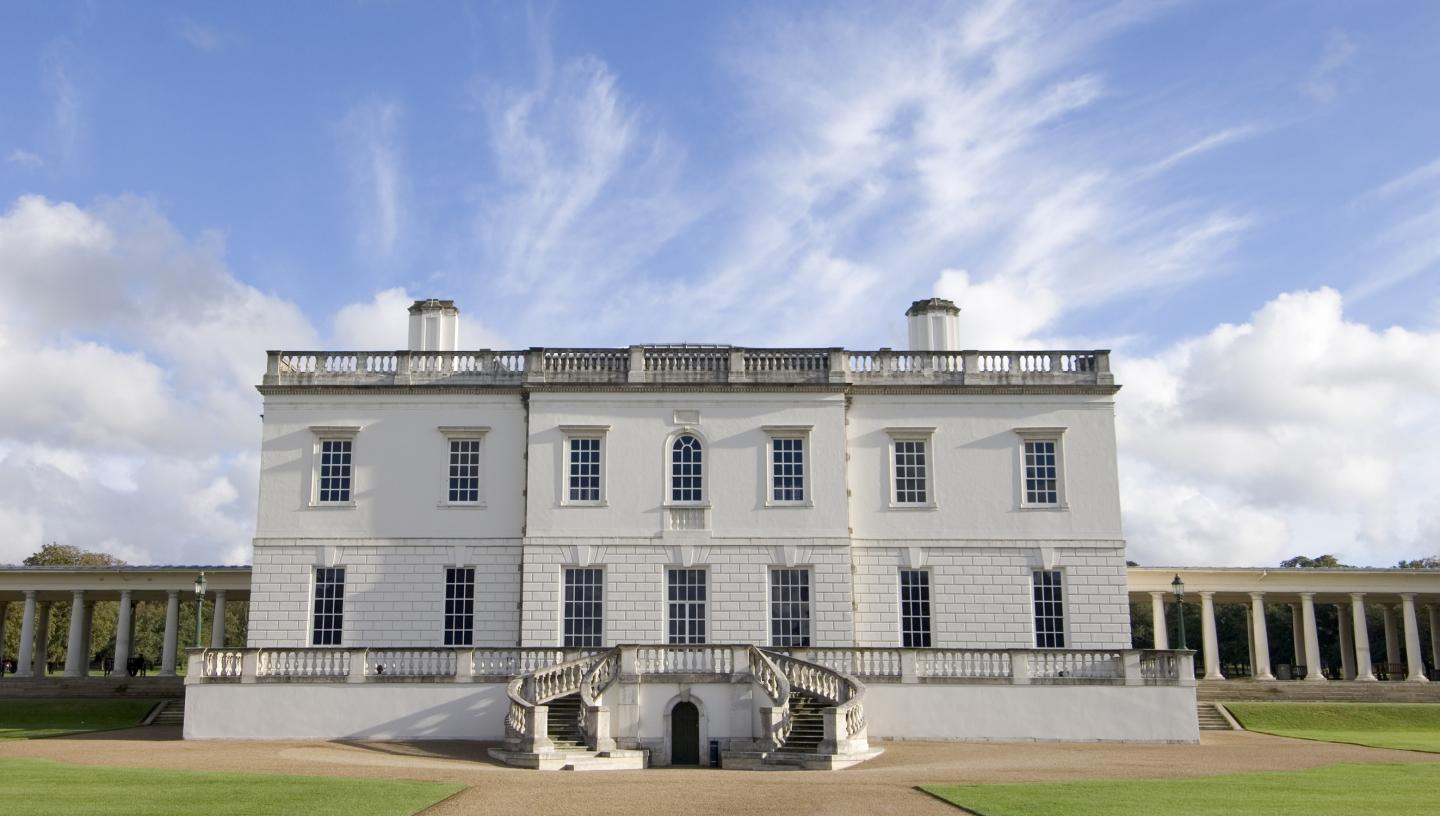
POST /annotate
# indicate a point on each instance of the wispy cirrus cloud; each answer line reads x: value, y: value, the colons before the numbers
x: 201, y: 36
x: 374, y: 155
x: 1323, y: 82
x: 1407, y: 243
x: 25, y: 158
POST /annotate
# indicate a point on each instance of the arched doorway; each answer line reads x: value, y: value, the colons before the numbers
x: 685, y: 734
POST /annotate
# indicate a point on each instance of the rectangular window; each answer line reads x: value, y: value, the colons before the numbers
x: 1041, y: 472
x: 459, y: 606
x: 911, y: 472
x: 1049, y: 610
x: 464, y: 487
x: 334, y: 485
x: 789, y: 607
x: 584, y: 608
x: 329, y: 619
x: 787, y: 469
x: 584, y: 469
x: 685, y: 589
x: 914, y: 609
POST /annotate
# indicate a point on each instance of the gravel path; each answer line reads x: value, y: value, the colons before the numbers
x: 881, y: 786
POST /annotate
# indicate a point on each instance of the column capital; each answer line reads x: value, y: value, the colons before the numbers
x: 1407, y: 596
x: 173, y: 593
x: 1258, y: 596
x: 30, y: 594
x: 1307, y: 596
x: 1207, y: 593
x: 1155, y: 593
x: 1357, y: 597
x: 125, y: 594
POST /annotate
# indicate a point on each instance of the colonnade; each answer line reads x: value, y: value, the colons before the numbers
x: 1354, y: 632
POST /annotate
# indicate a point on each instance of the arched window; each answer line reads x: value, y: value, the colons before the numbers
x: 685, y: 470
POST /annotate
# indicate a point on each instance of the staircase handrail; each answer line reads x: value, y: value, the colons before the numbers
x: 604, y: 671
x: 777, y: 687
x: 541, y: 686
x: 842, y: 691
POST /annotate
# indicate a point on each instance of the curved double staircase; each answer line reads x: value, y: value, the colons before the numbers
x: 808, y: 716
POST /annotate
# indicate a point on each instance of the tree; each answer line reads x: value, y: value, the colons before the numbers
x: 1430, y: 562
x: 1318, y: 562
x: 55, y: 554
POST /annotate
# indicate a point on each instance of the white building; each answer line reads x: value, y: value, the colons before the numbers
x: 922, y: 544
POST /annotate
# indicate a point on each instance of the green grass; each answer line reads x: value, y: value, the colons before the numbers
x: 28, y: 719
x: 1336, y: 790
x: 1409, y: 726
x: 54, y: 788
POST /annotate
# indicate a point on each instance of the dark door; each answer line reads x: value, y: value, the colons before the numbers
x: 684, y: 734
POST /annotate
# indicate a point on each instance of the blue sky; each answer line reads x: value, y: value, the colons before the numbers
x: 1242, y: 199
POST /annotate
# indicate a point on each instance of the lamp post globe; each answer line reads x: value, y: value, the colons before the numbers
x: 199, y: 606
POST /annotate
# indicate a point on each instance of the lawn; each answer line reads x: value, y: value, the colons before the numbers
x: 27, y: 719
x: 1336, y: 790
x: 54, y: 788
x: 1410, y: 726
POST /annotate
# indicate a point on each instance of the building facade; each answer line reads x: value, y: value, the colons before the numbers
x: 751, y: 533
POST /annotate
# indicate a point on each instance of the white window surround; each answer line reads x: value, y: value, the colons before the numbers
x: 917, y: 434
x: 323, y: 434
x: 454, y: 433
x: 1057, y: 436
x: 801, y: 432
x: 705, y: 465
x: 599, y: 432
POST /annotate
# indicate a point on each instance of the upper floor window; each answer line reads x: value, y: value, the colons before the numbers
x: 583, y: 465
x: 1042, y: 479
x: 911, y: 468
x: 789, y: 471
x: 686, y: 469
x: 464, y: 466
x: 334, y: 480
x: 464, y: 485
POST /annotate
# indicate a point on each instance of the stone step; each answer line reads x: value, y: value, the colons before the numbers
x: 1333, y: 691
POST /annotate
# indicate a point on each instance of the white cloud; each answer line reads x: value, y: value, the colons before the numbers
x: 201, y: 36
x: 25, y: 158
x: 1322, y: 85
x: 1298, y: 431
x: 375, y: 157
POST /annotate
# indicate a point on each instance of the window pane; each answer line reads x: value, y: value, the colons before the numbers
x: 787, y: 470
x: 334, y: 470
x: 914, y: 608
x: 789, y: 607
x: 685, y: 615
x: 459, y: 621
x: 1049, y: 610
x: 910, y: 472
x: 584, y: 607
x: 328, y: 620
x: 585, y: 469
x: 464, y: 487
x: 1041, y: 473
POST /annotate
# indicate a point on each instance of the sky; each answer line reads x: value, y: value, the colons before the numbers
x: 1240, y: 199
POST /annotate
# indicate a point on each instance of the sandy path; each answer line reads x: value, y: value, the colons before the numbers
x: 882, y: 786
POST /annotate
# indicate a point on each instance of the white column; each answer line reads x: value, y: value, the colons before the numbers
x: 87, y: 637
x: 122, y: 635
x: 172, y: 623
x: 1297, y: 636
x: 4, y: 613
x: 1208, y: 640
x: 1392, y: 636
x: 1415, y: 667
x: 217, y: 626
x: 42, y: 641
x: 74, y: 649
x: 1435, y: 636
x: 1347, y: 642
x: 1312, y: 639
x: 1259, y: 638
x: 27, y: 637
x: 1157, y: 615
x: 1362, y: 638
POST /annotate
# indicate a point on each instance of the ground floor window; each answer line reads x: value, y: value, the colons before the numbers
x: 329, y: 616
x: 584, y: 607
x: 685, y: 591
x: 459, y: 606
x: 789, y: 607
x: 1049, y: 610
x: 914, y: 609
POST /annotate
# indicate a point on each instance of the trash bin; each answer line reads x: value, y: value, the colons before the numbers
x: 1282, y: 671
x: 714, y: 753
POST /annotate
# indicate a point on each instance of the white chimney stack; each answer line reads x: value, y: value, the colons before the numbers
x: 934, y: 325
x: 434, y: 325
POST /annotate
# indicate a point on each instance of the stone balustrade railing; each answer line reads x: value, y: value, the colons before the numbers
x: 562, y: 671
x: 643, y: 365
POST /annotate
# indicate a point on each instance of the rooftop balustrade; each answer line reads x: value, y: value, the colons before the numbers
x: 687, y: 364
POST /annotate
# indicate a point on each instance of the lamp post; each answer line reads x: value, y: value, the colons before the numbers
x: 199, y: 606
x: 1179, y: 587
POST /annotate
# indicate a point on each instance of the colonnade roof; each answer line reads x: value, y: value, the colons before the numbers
x: 105, y: 583
x: 1282, y: 584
